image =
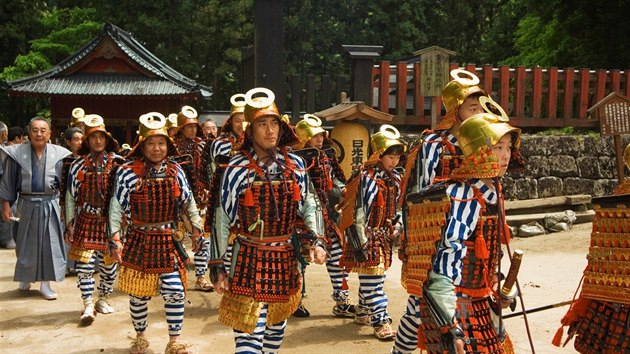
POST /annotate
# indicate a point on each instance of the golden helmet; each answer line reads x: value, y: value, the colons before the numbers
x: 484, y: 129
x: 78, y: 116
x: 458, y: 89
x: 308, y: 127
x: 258, y: 107
x: 152, y: 124
x: 238, y: 104
x: 93, y: 123
x: 171, y: 121
x: 187, y: 115
x: 386, y: 137
x: 477, y: 135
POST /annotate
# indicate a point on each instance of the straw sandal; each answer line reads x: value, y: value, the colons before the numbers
x: 204, y: 285
x: 139, y: 345
x: 385, y: 332
x: 177, y: 347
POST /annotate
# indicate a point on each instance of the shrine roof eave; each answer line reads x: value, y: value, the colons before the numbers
x: 130, y: 46
x: 354, y: 110
x: 104, y: 85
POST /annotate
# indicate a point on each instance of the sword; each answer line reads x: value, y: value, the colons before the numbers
x: 537, y: 309
x: 508, y: 290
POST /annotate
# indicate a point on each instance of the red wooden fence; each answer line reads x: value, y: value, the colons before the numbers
x: 533, y: 97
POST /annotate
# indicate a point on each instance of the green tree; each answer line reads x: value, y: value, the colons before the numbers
x: 583, y: 33
x: 202, y: 39
x: 66, y: 30
x: 18, y: 25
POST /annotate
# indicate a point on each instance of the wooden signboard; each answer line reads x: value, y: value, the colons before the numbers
x: 351, y: 140
x: 434, y: 66
x: 615, y: 118
x: 434, y: 63
x: 613, y: 113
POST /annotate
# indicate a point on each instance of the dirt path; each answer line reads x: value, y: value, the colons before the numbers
x: 551, y: 269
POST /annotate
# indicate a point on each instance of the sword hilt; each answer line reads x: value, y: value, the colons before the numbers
x: 508, y: 291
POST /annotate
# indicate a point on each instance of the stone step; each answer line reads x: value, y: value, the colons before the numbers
x: 523, y: 206
x: 520, y: 219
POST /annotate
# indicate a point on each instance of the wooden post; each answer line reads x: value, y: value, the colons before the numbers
x: 362, y: 57
x: 269, y: 46
x: 619, y: 158
x: 434, y: 112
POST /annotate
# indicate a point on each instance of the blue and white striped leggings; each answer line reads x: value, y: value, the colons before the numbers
x: 85, y: 276
x: 336, y: 273
x: 172, y: 292
x: 407, y: 335
x: 372, y: 299
x: 201, y: 259
x: 265, y: 339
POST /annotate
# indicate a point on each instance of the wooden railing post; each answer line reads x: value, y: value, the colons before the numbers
x: 504, y: 87
x: 519, y: 94
x: 536, y: 92
x: 569, y: 81
x: 487, y: 79
x: 600, y: 88
x: 584, y: 92
x: 418, y: 98
x: 552, y: 97
x: 615, y: 80
x: 383, y: 87
x: 401, y: 88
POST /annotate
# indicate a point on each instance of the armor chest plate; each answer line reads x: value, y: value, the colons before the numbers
x: 95, y: 189
x: 155, y: 199
x: 274, y: 212
x: 383, y: 208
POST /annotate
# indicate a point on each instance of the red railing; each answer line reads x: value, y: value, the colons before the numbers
x: 533, y: 97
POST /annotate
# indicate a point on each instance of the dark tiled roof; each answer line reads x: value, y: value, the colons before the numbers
x: 56, y: 81
x: 101, y: 85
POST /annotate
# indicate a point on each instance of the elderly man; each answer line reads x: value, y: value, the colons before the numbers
x: 210, y: 128
x: 31, y: 177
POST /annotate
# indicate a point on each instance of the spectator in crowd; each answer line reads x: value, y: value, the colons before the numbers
x: 6, y: 236
x: 15, y: 136
x: 32, y: 174
x: 210, y: 128
x: 74, y: 138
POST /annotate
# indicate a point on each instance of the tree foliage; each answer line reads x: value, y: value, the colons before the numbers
x: 67, y: 30
x: 581, y: 33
